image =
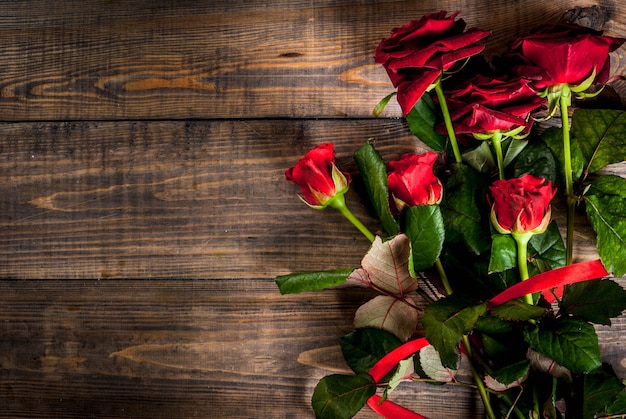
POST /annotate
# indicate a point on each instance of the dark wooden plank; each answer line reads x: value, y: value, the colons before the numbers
x: 230, y: 348
x: 224, y: 59
x: 195, y: 199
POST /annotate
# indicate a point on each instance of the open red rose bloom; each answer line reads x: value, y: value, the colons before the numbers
x: 317, y: 176
x: 562, y: 53
x: 485, y: 105
x: 412, y: 182
x: 416, y: 54
x: 521, y: 204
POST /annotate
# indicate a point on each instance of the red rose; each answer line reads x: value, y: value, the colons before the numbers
x: 318, y: 177
x: 416, y: 54
x: 563, y: 53
x: 521, y: 205
x: 485, y: 105
x: 412, y: 182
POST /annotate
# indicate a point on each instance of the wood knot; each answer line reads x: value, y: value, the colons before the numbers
x: 593, y: 17
x: 291, y: 55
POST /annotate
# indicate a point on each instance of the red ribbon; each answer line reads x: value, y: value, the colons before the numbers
x: 544, y: 282
x: 554, y: 279
x: 391, y: 410
x: 389, y: 361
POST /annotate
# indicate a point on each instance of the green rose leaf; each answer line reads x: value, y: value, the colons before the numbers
x: 553, y: 138
x: 600, y: 135
x: 595, y: 301
x: 547, y: 250
x: 446, y: 321
x: 537, y: 160
x: 311, y: 281
x: 619, y: 406
x: 362, y: 348
x: 465, y: 190
x: 572, y: 343
x: 512, y: 148
x: 423, y: 224
x: 340, y: 396
x: 517, y: 310
x: 493, y: 326
x: 374, y: 175
x: 507, y: 377
x: 606, y: 209
x: 422, y: 120
x: 382, y: 104
x: 600, y: 390
x: 503, y: 253
x: 481, y: 158
x: 392, y: 314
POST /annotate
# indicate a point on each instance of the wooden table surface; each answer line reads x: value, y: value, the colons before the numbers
x: 144, y: 211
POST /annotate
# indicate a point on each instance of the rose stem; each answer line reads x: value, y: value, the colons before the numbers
x: 496, y: 140
x: 569, y: 184
x: 468, y: 349
x: 340, y: 205
x: 522, y: 259
x: 443, y: 276
x: 448, y: 122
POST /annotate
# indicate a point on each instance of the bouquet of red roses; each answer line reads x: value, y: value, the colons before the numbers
x: 474, y: 217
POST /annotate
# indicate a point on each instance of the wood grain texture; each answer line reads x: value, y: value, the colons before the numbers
x: 142, y: 59
x: 144, y: 142
x: 195, y: 199
x: 190, y: 349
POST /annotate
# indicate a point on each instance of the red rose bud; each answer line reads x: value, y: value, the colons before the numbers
x: 416, y: 54
x: 412, y: 182
x: 318, y: 177
x: 521, y: 205
x: 485, y: 105
x: 563, y: 54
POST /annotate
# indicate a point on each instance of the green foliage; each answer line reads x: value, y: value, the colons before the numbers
x: 503, y: 253
x: 382, y: 104
x: 511, y: 149
x: 601, y: 391
x: 595, y: 301
x: 362, y: 348
x: 570, y: 342
x: 517, y: 310
x: 547, y: 250
x: 340, y: 396
x: 424, y: 226
x: 374, y: 176
x: 538, y: 160
x: 553, y: 139
x: 510, y: 374
x: 309, y: 281
x: 422, y: 120
x: 619, y: 406
x: 600, y: 135
x: 606, y: 209
x: 481, y: 158
x: 463, y: 200
x: 446, y: 321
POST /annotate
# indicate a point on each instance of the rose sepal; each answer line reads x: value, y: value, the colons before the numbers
x: 342, y: 185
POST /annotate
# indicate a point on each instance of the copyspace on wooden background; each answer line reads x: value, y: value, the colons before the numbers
x: 144, y: 211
